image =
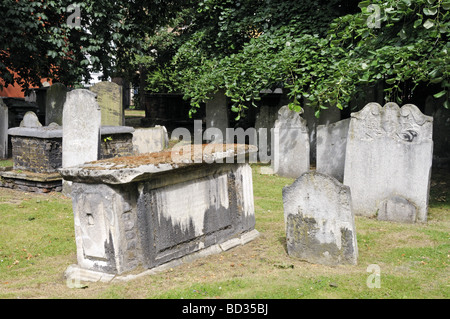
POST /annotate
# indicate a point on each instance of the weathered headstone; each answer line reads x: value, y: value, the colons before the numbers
x: 30, y: 119
x: 320, y: 226
x: 3, y: 130
x: 290, y: 144
x: 149, y: 140
x: 55, y: 99
x: 109, y: 98
x: 389, y: 155
x: 331, y: 145
x: 217, y: 116
x: 81, y: 128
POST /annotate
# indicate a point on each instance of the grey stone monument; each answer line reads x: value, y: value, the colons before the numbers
x: 331, y: 144
x: 217, y: 115
x: 149, y: 140
x: 81, y: 128
x: 290, y: 144
x: 3, y: 130
x: 109, y: 98
x: 265, y: 120
x: 320, y: 225
x: 55, y: 99
x: 388, y: 161
x: 30, y: 119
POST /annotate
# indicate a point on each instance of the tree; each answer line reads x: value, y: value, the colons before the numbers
x: 42, y: 39
x: 326, y: 51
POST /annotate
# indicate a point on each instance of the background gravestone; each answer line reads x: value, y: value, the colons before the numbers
x: 81, y: 128
x: 265, y: 120
x: 30, y: 119
x: 150, y: 140
x: 331, y: 144
x: 109, y: 98
x: 320, y: 225
x: 389, y: 154
x: 55, y: 99
x: 3, y: 130
x: 290, y: 144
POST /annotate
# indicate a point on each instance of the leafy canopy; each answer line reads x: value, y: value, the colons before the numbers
x: 326, y: 51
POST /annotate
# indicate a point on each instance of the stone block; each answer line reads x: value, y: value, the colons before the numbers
x: 109, y: 98
x: 54, y: 103
x: 320, y: 226
x: 331, y: 146
x: 150, y: 140
x: 130, y: 213
x: 290, y: 146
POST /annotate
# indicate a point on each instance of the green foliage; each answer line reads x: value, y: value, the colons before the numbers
x: 39, y: 39
x: 310, y: 49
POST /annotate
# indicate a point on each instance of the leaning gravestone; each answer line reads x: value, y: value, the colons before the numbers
x: 320, y: 225
x: 30, y: 119
x: 388, y: 162
x: 290, y: 144
x: 109, y: 98
x: 3, y: 130
x: 55, y: 99
x: 331, y: 144
x: 81, y: 128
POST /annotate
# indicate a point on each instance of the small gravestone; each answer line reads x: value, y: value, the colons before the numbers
x: 290, y: 144
x: 320, y: 226
x: 389, y: 154
x: 55, y: 99
x: 81, y: 128
x: 109, y: 98
x: 31, y: 120
x: 3, y: 130
x: 217, y: 116
x: 331, y: 144
x: 397, y: 209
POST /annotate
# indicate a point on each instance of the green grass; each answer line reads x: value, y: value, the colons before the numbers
x: 37, y: 244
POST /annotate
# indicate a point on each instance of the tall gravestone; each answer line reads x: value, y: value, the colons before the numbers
x: 81, y: 128
x: 265, y: 120
x: 109, y: 98
x: 320, y: 225
x: 331, y: 145
x: 54, y: 103
x: 290, y: 144
x: 388, y: 162
x: 3, y: 130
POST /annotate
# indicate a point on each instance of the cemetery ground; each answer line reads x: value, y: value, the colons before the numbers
x: 37, y: 244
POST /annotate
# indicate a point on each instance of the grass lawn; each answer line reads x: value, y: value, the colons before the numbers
x: 37, y: 244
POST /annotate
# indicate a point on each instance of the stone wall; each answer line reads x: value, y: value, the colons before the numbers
x: 37, y: 154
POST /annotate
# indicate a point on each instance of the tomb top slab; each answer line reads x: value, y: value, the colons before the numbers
x: 128, y: 169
